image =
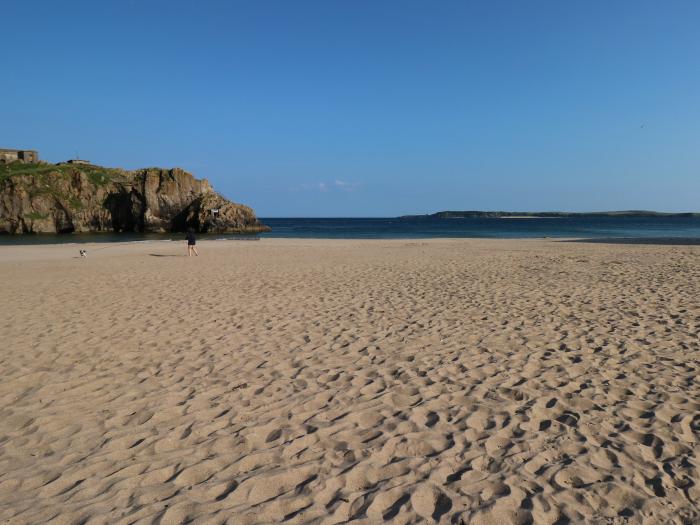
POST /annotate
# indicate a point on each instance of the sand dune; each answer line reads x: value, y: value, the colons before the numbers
x: 450, y: 381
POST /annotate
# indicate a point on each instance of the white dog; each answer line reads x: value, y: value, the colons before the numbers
x: 83, y: 253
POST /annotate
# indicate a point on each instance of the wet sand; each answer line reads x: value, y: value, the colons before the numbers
x: 318, y: 381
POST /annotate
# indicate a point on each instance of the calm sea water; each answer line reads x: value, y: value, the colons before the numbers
x: 392, y: 228
x: 596, y: 227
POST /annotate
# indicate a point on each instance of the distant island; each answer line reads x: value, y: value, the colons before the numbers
x: 542, y: 214
x: 79, y: 197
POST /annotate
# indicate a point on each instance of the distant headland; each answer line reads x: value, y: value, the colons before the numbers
x: 543, y: 214
x: 79, y: 197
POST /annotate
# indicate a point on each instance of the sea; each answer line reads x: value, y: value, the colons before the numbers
x: 670, y: 230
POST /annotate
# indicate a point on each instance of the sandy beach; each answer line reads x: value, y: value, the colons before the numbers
x: 320, y: 381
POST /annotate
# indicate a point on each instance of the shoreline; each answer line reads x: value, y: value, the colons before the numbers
x: 86, y: 241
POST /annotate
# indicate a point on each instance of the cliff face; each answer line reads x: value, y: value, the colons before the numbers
x: 41, y: 198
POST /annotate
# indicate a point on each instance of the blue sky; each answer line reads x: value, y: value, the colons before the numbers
x: 369, y: 108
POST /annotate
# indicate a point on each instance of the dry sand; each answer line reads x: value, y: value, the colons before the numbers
x: 462, y: 381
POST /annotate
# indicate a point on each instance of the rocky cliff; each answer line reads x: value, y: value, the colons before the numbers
x: 62, y: 198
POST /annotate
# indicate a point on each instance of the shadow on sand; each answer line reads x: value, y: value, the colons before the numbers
x: 164, y: 255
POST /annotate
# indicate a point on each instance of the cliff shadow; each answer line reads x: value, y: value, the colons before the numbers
x: 188, y: 218
x: 126, y: 211
x: 179, y: 222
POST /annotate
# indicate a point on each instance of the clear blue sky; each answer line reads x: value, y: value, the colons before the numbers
x: 369, y: 108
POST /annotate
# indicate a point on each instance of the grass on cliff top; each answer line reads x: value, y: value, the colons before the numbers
x: 98, y: 175
x: 17, y: 169
x: 44, y: 177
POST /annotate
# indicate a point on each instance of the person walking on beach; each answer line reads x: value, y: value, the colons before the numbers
x: 191, y: 241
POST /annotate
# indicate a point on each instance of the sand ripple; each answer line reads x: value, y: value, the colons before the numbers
x: 484, y: 382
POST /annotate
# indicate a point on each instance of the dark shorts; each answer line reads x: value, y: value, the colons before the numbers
x: 191, y: 243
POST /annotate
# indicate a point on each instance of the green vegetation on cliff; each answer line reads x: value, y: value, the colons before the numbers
x: 63, y: 198
x: 16, y: 169
x: 51, y: 179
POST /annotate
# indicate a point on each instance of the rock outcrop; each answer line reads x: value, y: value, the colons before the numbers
x: 45, y: 198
